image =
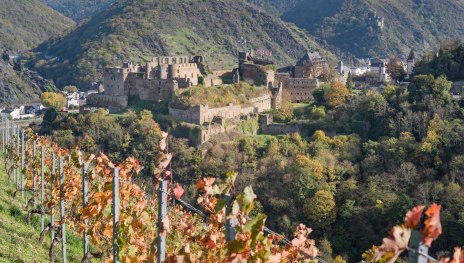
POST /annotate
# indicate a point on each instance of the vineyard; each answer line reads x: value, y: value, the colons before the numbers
x: 96, y: 199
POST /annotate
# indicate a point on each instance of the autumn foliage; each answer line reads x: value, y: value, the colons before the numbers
x: 190, y: 237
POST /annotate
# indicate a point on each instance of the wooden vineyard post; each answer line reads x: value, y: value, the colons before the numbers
x: 162, y: 212
x: 42, y: 186
x: 85, y: 201
x: 62, y: 208
x: 115, y: 214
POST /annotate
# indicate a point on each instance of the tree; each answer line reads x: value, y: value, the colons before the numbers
x: 320, y: 209
x: 335, y: 96
x: 285, y: 113
x: 396, y: 69
x: 349, y: 81
x: 71, y: 89
x: 53, y: 100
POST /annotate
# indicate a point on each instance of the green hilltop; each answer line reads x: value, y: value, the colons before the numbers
x: 139, y: 29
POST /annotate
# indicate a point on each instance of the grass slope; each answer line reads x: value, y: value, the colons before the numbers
x: 136, y: 30
x: 18, y: 240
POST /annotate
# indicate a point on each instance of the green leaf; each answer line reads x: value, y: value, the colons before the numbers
x: 219, y: 205
x: 248, y: 195
x: 236, y: 246
x: 255, y: 226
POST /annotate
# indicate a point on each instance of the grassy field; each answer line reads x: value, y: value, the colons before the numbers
x: 18, y: 240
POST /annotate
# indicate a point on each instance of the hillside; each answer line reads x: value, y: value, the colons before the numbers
x: 26, y: 23
x: 143, y: 28
x: 348, y: 24
x: 20, y: 85
x: 19, y: 242
x: 23, y: 25
x: 78, y: 9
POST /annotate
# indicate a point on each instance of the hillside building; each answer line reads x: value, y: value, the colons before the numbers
x: 300, y: 81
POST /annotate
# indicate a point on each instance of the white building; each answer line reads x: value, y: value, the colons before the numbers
x: 13, y: 113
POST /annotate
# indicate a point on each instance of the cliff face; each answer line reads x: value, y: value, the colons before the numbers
x: 139, y: 29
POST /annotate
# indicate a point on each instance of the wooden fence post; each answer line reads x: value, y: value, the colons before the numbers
x: 115, y: 214
x: 62, y: 210
x: 85, y: 201
x: 42, y: 186
x: 162, y: 211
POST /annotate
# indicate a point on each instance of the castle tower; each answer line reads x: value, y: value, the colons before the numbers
x: 411, y: 63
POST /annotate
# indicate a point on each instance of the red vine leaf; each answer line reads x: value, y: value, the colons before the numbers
x: 432, y: 225
x: 178, y: 191
x: 413, y: 216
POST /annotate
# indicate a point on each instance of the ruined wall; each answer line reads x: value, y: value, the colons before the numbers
x: 257, y: 75
x: 267, y: 126
x: 152, y: 89
x: 277, y: 128
x: 204, y: 114
x: 299, y: 89
x: 212, y: 80
x: 114, y: 80
x: 110, y: 101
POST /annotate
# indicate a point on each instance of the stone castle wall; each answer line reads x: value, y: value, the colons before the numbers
x: 152, y: 89
x: 204, y: 114
x: 110, y: 101
x: 299, y: 89
x: 256, y: 74
x: 267, y: 126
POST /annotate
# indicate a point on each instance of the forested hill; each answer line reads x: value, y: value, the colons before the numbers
x: 26, y: 23
x: 78, y: 9
x: 345, y: 24
x: 139, y: 29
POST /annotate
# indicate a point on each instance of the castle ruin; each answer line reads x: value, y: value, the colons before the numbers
x: 301, y: 80
x: 156, y: 80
